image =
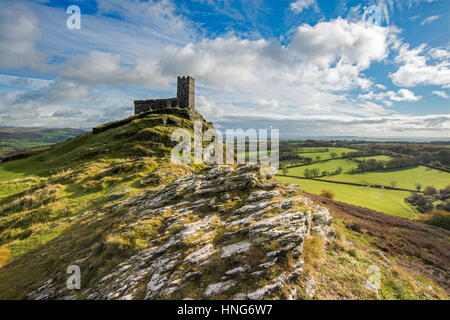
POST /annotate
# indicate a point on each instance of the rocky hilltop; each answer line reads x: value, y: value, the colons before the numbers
x: 224, y: 233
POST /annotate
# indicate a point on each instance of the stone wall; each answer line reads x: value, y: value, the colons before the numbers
x: 185, y: 98
x: 141, y: 106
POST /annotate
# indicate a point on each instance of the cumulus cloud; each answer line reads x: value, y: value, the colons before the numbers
x: 429, y: 19
x: 299, y: 5
x: 341, y: 41
x: 98, y: 67
x: 418, y: 67
x: 225, y: 60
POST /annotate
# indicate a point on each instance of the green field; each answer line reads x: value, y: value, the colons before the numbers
x: 388, y: 201
x: 325, y: 155
x: 12, y: 139
x: 378, y: 158
x: 331, y: 165
x: 406, y: 178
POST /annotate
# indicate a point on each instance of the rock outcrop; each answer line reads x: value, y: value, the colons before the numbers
x: 225, y: 233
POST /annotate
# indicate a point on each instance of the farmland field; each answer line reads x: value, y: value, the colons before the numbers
x: 331, y: 165
x: 388, y: 201
x: 325, y: 155
x: 406, y: 178
x: 12, y: 139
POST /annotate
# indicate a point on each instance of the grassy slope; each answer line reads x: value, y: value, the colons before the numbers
x: 388, y: 201
x: 40, y: 194
x: 413, y: 272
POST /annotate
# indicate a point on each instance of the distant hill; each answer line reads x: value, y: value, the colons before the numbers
x: 13, y: 140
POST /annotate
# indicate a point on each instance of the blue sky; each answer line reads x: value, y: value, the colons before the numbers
x: 308, y: 67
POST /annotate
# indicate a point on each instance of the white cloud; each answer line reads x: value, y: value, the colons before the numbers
x: 400, y: 95
x: 341, y: 41
x: 429, y: 20
x: 403, y: 95
x: 268, y: 103
x: 300, y: 5
x: 441, y: 94
x: 18, y: 35
x: 415, y: 68
x: 55, y: 92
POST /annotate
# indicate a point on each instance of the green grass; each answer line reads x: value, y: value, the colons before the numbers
x: 378, y: 158
x: 87, y: 170
x: 388, y: 201
x: 325, y: 155
x: 406, y: 178
x: 329, y: 166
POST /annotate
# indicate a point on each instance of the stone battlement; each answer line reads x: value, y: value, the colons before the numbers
x: 185, y: 98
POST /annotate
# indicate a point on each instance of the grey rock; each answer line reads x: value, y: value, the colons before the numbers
x: 201, y: 254
x: 234, y: 249
x: 218, y: 288
x: 237, y: 270
x: 264, y: 291
x: 263, y: 195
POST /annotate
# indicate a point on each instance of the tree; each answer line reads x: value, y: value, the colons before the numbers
x: 315, y: 172
x: 333, y: 155
x: 307, y: 173
x: 339, y: 169
x: 418, y: 186
x: 430, y: 190
x: 393, y: 184
x: 285, y: 170
x: 318, y: 158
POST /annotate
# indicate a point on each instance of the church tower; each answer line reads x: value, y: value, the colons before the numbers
x: 186, y: 92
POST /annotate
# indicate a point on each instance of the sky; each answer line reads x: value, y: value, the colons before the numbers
x: 375, y: 68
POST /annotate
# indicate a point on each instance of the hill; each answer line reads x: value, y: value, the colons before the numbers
x: 15, y: 140
x: 141, y: 227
